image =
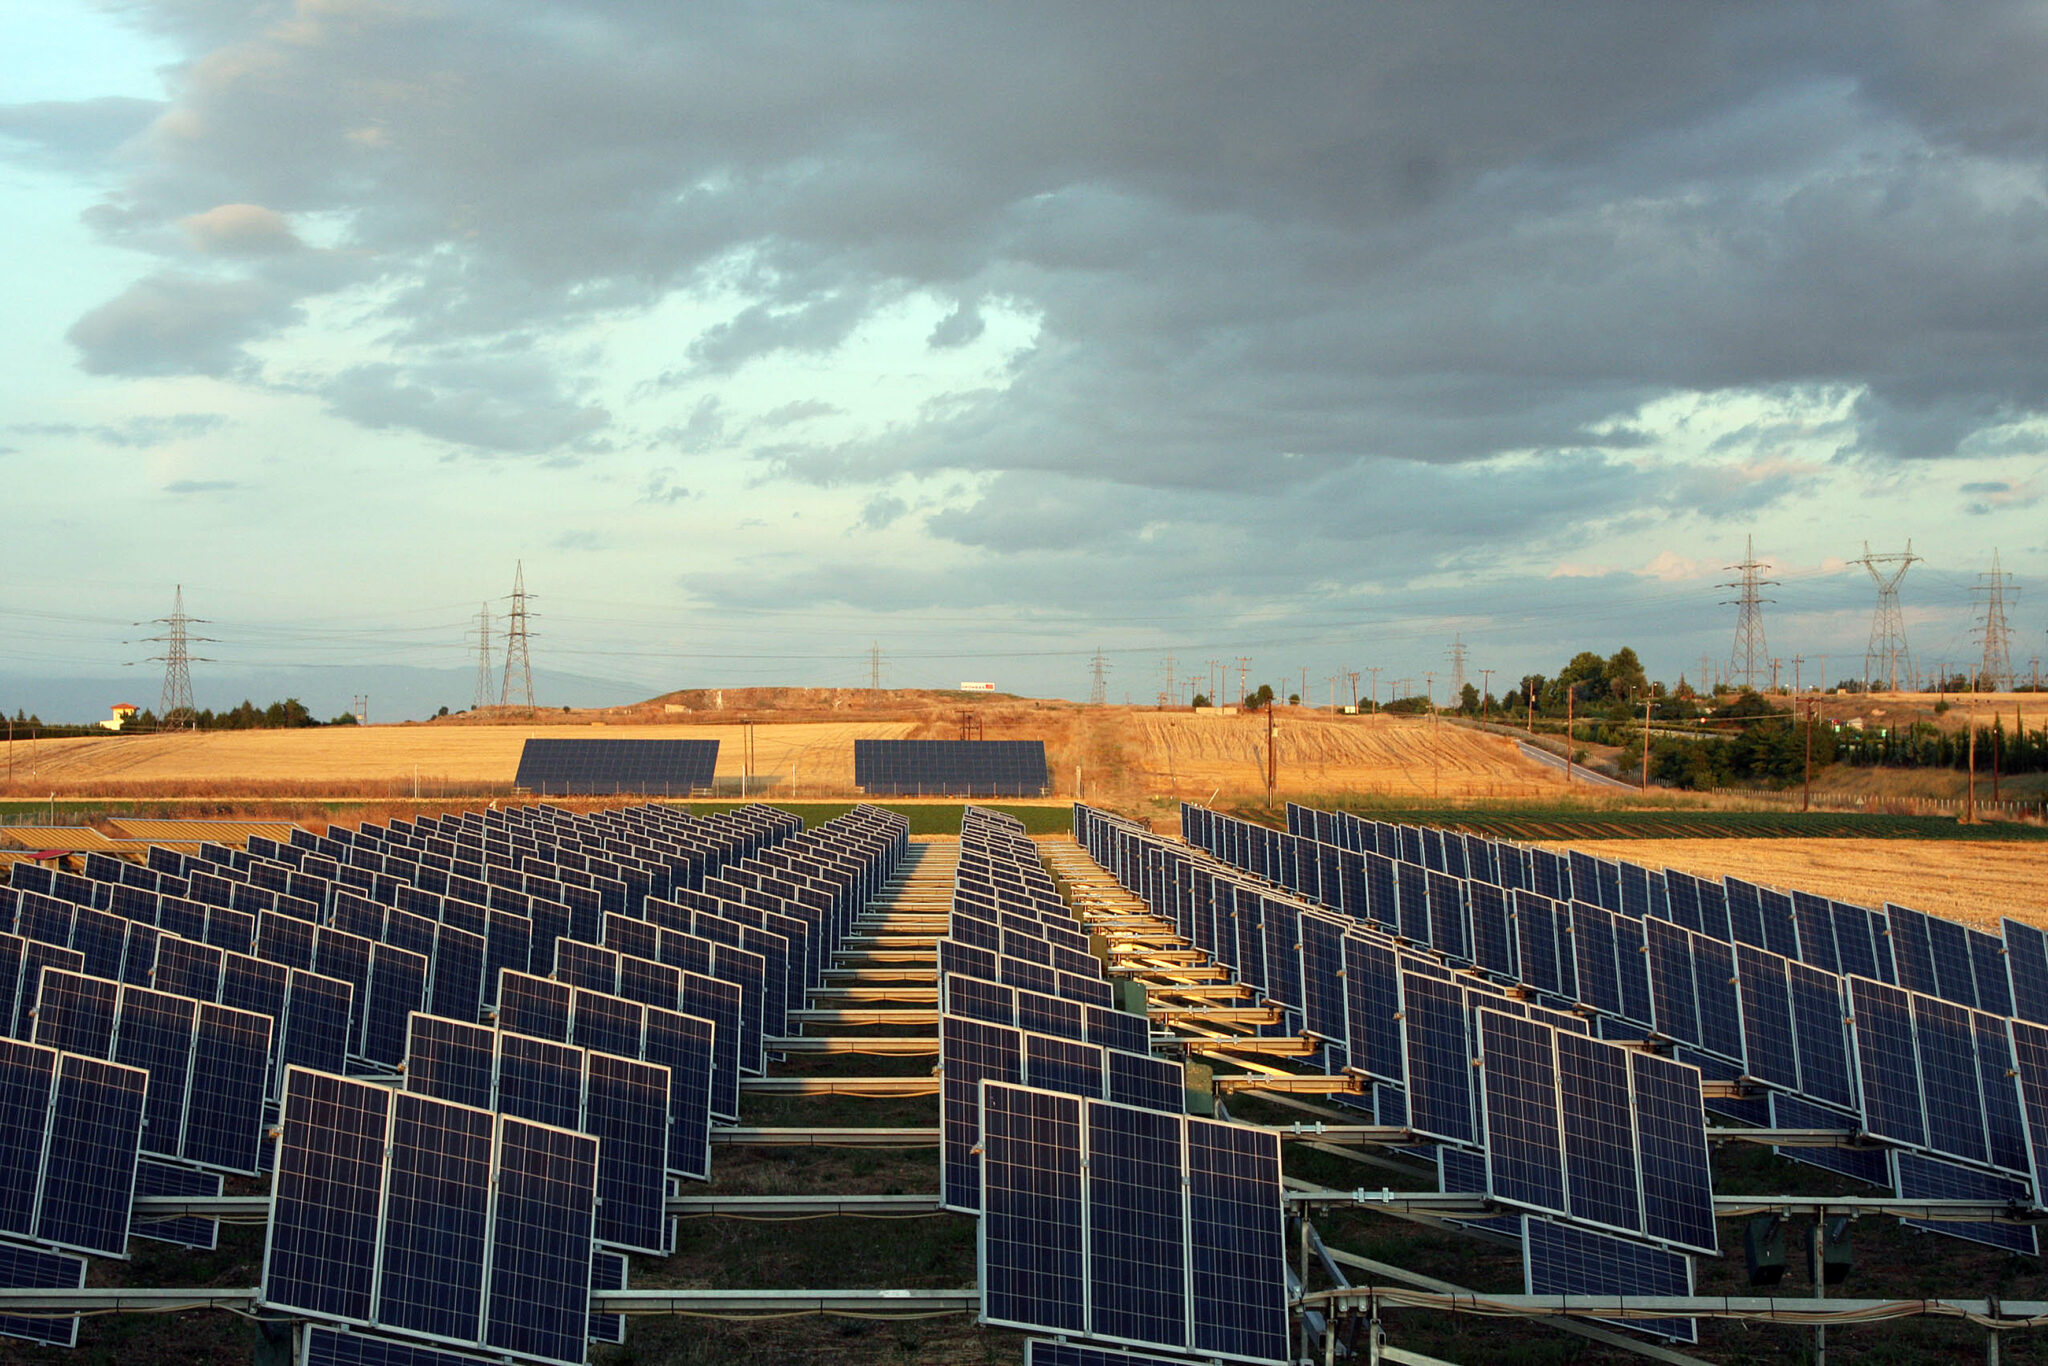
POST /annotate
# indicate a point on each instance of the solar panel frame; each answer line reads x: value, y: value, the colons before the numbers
x: 1524, y: 1133
x: 1137, y: 1259
x: 1558, y: 1259
x: 1032, y: 1234
x: 435, y: 1221
x: 320, y: 1253
x: 24, y: 1268
x: 543, y: 1221
x: 88, y: 1171
x: 1236, y: 1242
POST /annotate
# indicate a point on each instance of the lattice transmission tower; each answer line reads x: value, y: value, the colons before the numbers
x: 1994, y: 673
x: 1749, y: 655
x: 1887, y: 649
x: 875, y: 666
x: 518, y: 685
x: 1098, y: 685
x: 176, y: 709
x: 1457, y: 653
x: 485, y: 675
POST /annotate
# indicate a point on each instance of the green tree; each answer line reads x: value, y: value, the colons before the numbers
x: 1623, y: 674
x: 1468, y: 700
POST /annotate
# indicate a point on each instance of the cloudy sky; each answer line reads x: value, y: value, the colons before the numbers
x: 997, y: 334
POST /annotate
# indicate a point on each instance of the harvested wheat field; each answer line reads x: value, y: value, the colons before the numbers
x: 800, y: 757
x: 1191, y: 755
x: 1975, y: 882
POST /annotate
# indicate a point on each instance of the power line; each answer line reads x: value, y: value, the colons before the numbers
x: 1749, y: 653
x: 518, y: 661
x: 1887, y: 649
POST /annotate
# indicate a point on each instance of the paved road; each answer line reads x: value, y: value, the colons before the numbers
x: 1580, y: 773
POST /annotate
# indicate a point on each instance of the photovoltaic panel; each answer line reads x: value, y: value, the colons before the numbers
x: 1536, y: 948
x: 1601, y: 1175
x: 1953, y: 1105
x: 1116, y: 1030
x: 451, y: 1061
x: 1137, y: 1227
x: 397, y: 987
x: 23, y: 1268
x: 326, y: 1197
x: 539, y: 1080
x: 1987, y: 959
x: 1769, y: 1053
x: 229, y: 1081
x: 1781, y: 924
x: 607, y: 1272
x: 1439, y: 1059
x: 88, y: 1173
x: 1032, y: 1228
x: 1820, y: 1026
x: 1040, y: 1352
x: 1592, y: 940
x: 1372, y: 986
x: 435, y: 1219
x: 2027, y: 963
x: 685, y: 1044
x: 1955, y: 977
x: 75, y: 1013
x: 1561, y: 1260
x: 606, y: 1024
x: 1671, y: 1139
x: 1926, y: 1178
x: 969, y: 768
x: 627, y: 1112
x: 317, y: 1012
x: 2004, y: 1125
x: 971, y: 1051
x: 1447, y: 917
x: 1236, y: 1242
x: 1151, y: 1083
x: 534, y: 1006
x: 1720, y: 1005
x: 166, y: 1178
x: 325, y: 1346
x: 1063, y: 1065
x: 1493, y: 938
x: 710, y: 999
x: 541, y: 1227
x: 1043, y: 1014
x: 1674, y: 1007
x: 1745, y: 914
x: 1524, y: 1149
x: 610, y: 767
x: 1412, y: 883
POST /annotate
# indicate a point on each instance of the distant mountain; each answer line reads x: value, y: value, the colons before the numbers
x: 396, y: 692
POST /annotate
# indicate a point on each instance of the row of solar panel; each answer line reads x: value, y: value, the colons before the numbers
x: 963, y: 768
x: 609, y: 767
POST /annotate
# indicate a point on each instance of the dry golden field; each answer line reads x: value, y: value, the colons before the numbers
x: 1975, y: 882
x: 796, y: 757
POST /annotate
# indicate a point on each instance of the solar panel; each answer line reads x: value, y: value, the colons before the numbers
x: 686, y: 1045
x: 968, y: 768
x: 1439, y: 1059
x: 1674, y: 1006
x: 1039, y: 1352
x: 1871, y: 1165
x: 1524, y: 1150
x: 542, y: 1224
x: 1926, y: 1178
x: 167, y: 1178
x: 1819, y: 1024
x: 610, y: 767
x: 541, y: 1081
x: 435, y: 1217
x: 1768, y: 1051
x: 1601, y: 1176
x: 229, y: 1080
x: 971, y: 1051
x: 335, y: 1347
x: 451, y: 1061
x: 1561, y: 1260
x: 1955, y: 976
x: 1886, y: 1064
x: 2027, y: 963
x: 325, y: 1197
x: 607, y: 1272
x: 1671, y: 1138
x: 1063, y: 1065
x: 1032, y: 1240
x: 1949, y: 1084
x: 1152, y: 1083
x: 627, y: 1111
x: 1236, y: 1242
x: 75, y: 1013
x: 1137, y: 1227
x: 23, y: 1268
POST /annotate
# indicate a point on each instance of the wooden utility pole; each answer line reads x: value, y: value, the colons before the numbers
x: 1806, y: 789
x: 1970, y: 801
x: 1646, y: 741
x: 1272, y: 771
x: 1485, y: 693
x: 1570, y: 695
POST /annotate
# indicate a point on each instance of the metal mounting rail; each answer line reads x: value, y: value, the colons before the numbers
x: 826, y: 1138
x: 1466, y: 1205
x: 1309, y: 1084
x: 1280, y: 1046
x: 859, y: 1088
x: 867, y: 1303
x: 879, y: 1045
x: 256, y: 1207
x: 1382, y: 1298
x: 909, y: 1017
x: 1238, y: 1015
x: 903, y: 995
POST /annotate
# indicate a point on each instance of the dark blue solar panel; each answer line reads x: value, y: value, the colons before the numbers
x: 1561, y: 1260
x: 2004, y: 1125
x: 1448, y: 917
x: 1536, y: 942
x: 156, y: 1035
x: 1043, y: 1014
x: 1322, y: 971
x: 1599, y: 1132
x: 1372, y: 984
x: 316, y: 1022
x: 541, y: 1081
x: 1525, y: 1158
x: 165, y: 1178
x: 1064, y: 1065
x: 1781, y: 925
x: 1745, y: 915
x: 1855, y: 950
x: 606, y: 1024
x: 1137, y: 1226
x: 1994, y: 987
x: 1439, y: 1059
x: 333, y: 1347
x: 431, y: 1276
x: 1381, y: 891
x: 451, y: 1061
x: 1592, y: 941
x: 75, y: 1013
x: 230, y: 1077
x: 326, y: 1197
x: 1283, y: 953
x: 608, y: 767
x: 1912, y: 948
x: 539, y: 1299
x: 534, y: 1006
x: 1955, y: 978
x: 1925, y: 1178
x: 1632, y: 967
x: 1871, y: 1165
x: 1412, y: 881
x: 1493, y: 938
x: 24, y: 1268
x: 398, y: 987
x: 27, y: 1077
x: 1153, y: 1083
x: 1769, y: 1053
x: 627, y: 1112
x: 89, y: 1168
x: 607, y: 1272
x: 719, y: 1002
x: 2027, y: 962
x: 1886, y: 1066
x: 1814, y: 916
x: 1948, y: 1076
x: 1635, y: 890
x: 184, y: 968
x: 684, y: 1044
x: 970, y: 1052
x: 1820, y: 1025
x: 1674, y: 1008
x: 1236, y: 1241
x: 1033, y: 1260
x: 1719, y: 1001
x: 1671, y: 1137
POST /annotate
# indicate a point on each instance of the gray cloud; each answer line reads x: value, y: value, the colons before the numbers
x: 513, y: 405
x: 178, y: 324
x: 136, y: 432
x: 185, y: 486
x: 66, y: 132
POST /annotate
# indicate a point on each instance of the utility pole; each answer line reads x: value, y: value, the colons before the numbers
x: 1749, y: 653
x: 1646, y: 741
x: 1353, y: 676
x: 1887, y: 649
x: 874, y: 666
x: 1375, y: 672
x: 483, y: 659
x: 1806, y: 788
x: 1797, y: 660
x: 359, y: 703
x: 1774, y: 673
x: 1303, y: 694
x: 518, y: 661
x: 1098, y: 687
x: 1485, y: 693
x: 1429, y: 689
x: 1272, y: 769
x: 176, y: 709
x: 1571, y: 692
x: 1244, y: 667
x: 1995, y: 673
x: 1823, y: 684
x: 1457, y: 653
